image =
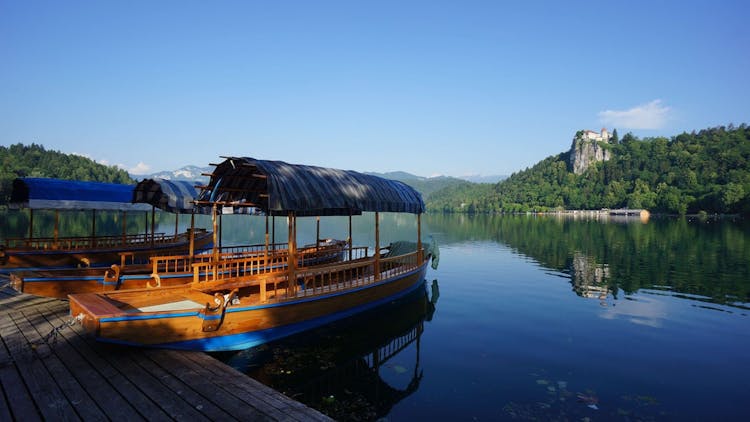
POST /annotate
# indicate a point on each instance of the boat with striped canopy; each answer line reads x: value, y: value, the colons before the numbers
x: 168, y: 269
x: 231, y: 310
x: 94, y: 250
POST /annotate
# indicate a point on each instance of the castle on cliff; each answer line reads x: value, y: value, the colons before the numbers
x: 586, y: 149
x: 604, y: 135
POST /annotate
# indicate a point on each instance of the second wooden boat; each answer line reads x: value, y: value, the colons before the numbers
x: 169, y: 270
x: 96, y: 250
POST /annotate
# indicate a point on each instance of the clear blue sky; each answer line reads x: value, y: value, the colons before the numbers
x: 429, y: 87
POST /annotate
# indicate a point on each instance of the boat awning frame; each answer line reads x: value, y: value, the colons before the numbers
x: 58, y: 194
x: 279, y: 188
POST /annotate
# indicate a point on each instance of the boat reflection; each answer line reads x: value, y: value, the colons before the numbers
x: 359, y: 368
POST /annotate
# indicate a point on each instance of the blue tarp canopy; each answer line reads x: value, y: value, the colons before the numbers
x: 175, y: 196
x: 278, y: 188
x: 45, y: 193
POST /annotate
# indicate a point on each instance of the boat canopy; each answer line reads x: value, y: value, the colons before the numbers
x: 174, y: 196
x: 278, y: 188
x: 46, y: 193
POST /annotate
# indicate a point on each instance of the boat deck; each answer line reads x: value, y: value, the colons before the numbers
x: 71, y: 377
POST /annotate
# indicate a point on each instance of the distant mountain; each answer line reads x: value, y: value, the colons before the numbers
x: 484, y: 179
x: 191, y: 173
x: 396, y: 175
x: 425, y: 185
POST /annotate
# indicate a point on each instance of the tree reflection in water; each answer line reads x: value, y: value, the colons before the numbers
x: 353, y: 369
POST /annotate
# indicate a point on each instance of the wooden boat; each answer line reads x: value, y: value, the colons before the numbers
x: 163, y: 271
x: 230, y: 310
x: 94, y: 250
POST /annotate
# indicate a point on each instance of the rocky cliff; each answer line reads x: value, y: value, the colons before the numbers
x: 585, y: 152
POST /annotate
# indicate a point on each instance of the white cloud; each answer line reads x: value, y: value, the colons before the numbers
x: 140, y: 168
x: 103, y: 161
x: 80, y: 154
x: 651, y: 115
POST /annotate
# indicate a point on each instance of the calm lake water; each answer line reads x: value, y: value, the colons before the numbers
x: 529, y: 318
x: 542, y: 318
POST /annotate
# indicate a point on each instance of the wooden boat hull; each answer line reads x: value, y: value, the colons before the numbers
x: 12, y: 259
x: 61, y: 283
x: 240, y: 327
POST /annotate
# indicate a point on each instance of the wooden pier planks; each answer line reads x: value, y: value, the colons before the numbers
x: 75, y: 378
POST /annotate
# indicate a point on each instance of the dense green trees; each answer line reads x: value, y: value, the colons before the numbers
x: 703, y: 171
x: 34, y: 161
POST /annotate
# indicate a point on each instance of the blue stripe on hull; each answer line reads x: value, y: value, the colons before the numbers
x: 254, y: 338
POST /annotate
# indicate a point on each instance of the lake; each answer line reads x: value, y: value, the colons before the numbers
x: 527, y: 317
x: 542, y: 318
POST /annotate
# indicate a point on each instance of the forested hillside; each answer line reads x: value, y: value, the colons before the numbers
x: 425, y: 185
x: 35, y: 161
x: 704, y: 171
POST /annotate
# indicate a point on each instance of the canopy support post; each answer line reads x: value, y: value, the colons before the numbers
x: 93, y: 227
x: 31, y: 223
x: 153, y: 225
x: 192, y: 236
x: 221, y: 227
x: 292, y: 257
x: 266, y: 238
x: 273, y: 231
x: 317, y: 233
x: 214, y: 223
x: 349, y: 239
x: 176, y: 224
x: 57, y: 226
x: 124, y: 228
x: 377, y: 246
x: 420, y: 254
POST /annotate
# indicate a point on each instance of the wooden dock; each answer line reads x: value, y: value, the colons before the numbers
x: 68, y: 376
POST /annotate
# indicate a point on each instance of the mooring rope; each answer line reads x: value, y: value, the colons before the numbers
x: 4, y: 281
x: 51, y: 338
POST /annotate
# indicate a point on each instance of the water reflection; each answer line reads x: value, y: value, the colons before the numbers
x: 356, y: 369
x: 589, y: 278
x: 707, y: 261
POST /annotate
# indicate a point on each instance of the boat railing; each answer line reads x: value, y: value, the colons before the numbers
x: 232, y: 267
x: 183, y: 263
x: 271, y: 273
x: 254, y: 248
x: 356, y: 253
x: 223, y: 269
x: 87, y: 242
x: 388, y: 350
x: 328, y: 278
x: 361, y: 366
x: 399, y: 264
